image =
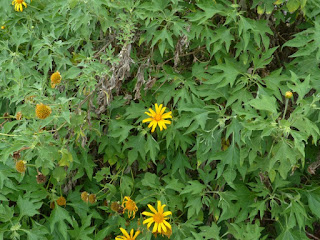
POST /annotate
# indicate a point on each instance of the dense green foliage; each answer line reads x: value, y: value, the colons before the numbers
x: 239, y: 160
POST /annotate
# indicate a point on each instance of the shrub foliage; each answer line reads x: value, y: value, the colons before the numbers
x: 238, y: 159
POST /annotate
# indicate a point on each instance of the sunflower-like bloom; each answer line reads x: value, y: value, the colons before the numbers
x: 43, y: 111
x: 21, y: 166
x: 130, y: 205
x: 158, y: 117
x: 159, y: 218
x: 18, y: 5
x: 55, y: 79
x: 61, y: 201
x: 126, y: 235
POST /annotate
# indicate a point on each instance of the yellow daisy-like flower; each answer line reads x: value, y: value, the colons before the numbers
x: 18, y: 5
x: 158, y: 117
x: 43, y: 111
x: 130, y: 205
x: 159, y: 218
x: 55, y: 79
x: 126, y: 235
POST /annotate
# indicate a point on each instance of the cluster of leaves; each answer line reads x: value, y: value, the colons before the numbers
x: 239, y: 160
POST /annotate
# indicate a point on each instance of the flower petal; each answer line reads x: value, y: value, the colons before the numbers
x: 152, y: 209
x: 159, y: 227
x: 159, y: 206
x: 154, y: 126
x: 124, y: 232
x: 152, y: 112
x: 155, y: 227
x: 148, y: 214
x: 167, y: 115
x: 131, y: 233
x: 147, y: 120
x: 167, y: 213
x: 149, y: 114
x: 162, y: 110
x: 149, y: 224
x: 166, y: 121
x: 163, y: 227
x: 167, y: 224
x: 136, y: 235
x: 148, y: 220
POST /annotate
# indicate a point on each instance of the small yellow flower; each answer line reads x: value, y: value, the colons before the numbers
x: 19, y: 116
x: 85, y: 196
x: 92, y: 198
x: 55, y: 79
x: 130, y: 205
x: 288, y: 94
x: 3, y: 27
x: 43, y: 111
x: 21, y: 166
x: 158, y: 118
x: 18, y: 5
x: 126, y: 235
x: 159, y: 218
x: 61, y: 201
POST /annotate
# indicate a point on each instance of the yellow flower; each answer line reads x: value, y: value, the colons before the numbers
x: 3, y: 27
x: 158, y: 218
x: 21, y: 166
x: 158, y: 118
x: 167, y: 234
x: 61, y: 201
x: 92, y: 198
x: 55, y: 79
x: 18, y: 5
x: 288, y: 94
x: 43, y: 111
x: 85, y: 196
x: 130, y: 205
x: 127, y: 236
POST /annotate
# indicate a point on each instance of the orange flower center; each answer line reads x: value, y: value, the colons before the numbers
x: 19, y: 1
x: 158, y: 218
x: 130, y: 205
x: 157, y: 117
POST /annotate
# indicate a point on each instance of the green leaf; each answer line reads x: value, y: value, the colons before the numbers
x: 28, y: 207
x: 58, y: 218
x: 66, y: 158
x: 265, y: 103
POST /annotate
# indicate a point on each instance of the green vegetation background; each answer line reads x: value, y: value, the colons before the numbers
x: 239, y: 160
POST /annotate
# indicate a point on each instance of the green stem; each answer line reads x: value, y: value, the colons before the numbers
x: 285, y: 108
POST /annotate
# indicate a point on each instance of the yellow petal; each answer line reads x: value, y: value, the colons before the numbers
x: 157, y: 108
x: 159, y: 227
x: 24, y: 4
x: 124, y: 232
x: 131, y: 233
x: 148, y: 220
x: 166, y: 121
x: 167, y: 213
x: 152, y: 209
x: 152, y: 112
x: 164, y: 126
x: 155, y: 227
x: 151, y: 124
x: 167, y: 224
x: 149, y: 224
x: 147, y: 120
x: 163, y: 227
x: 160, y: 123
x: 154, y: 126
x: 149, y: 114
x: 162, y: 110
x: 136, y: 235
x: 167, y: 115
x: 159, y: 206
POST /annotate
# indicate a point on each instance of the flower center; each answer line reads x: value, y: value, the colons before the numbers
x: 130, y: 205
x: 158, y: 218
x: 157, y: 117
x: 19, y: 1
